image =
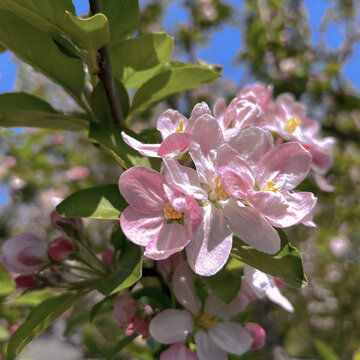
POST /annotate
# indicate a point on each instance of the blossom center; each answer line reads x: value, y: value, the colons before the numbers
x: 171, y: 214
x: 292, y: 123
x: 270, y: 186
x: 206, y: 321
x: 181, y: 126
x: 218, y: 193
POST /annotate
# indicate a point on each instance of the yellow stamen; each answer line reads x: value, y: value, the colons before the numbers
x: 170, y: 213
x: 181, y: 126
x: 292, y: 123
x: 220, y: 192
x: 270, y: 186
x: 206, y: 321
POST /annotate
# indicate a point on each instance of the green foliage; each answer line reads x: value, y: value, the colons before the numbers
x: 90, y: 34
x: 37, y: 49
x: 123, y: 16
x: 225, y: 285
x: 325, y: 351
x: 41, y: 317
x: 109, y: 136
x: 2, y: 49
x: 172, y: 81
x: 21, y: 109
x: 100, y: 202
x: 127, y: 273
x: 6, y: 282
x: 286, y: 264
x: 136, y: 60
x: 155, y: 296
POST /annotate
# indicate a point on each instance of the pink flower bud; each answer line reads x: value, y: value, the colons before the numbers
x: 138, y: 325
x: 24, y: 254
x: 178, y: 351
x: 107, y: 255
x: 25, y: 281
x: 57, y: 220
x: 279, y: 282
x: 168, y: 266
x: 13, y: 328
x: 60, y: 248
x: 124, y: 309
x: 257, y: 333
x: 77, y: 173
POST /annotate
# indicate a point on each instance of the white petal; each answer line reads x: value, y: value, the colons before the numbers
x: 206, y: 349
x: 171, y: 326
x: 231, y: 337
x: 144, y: 149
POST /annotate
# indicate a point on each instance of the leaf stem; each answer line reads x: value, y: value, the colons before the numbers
x: 105, y: 74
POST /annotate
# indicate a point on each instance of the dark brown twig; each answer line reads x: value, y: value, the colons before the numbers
x: 105, y: 74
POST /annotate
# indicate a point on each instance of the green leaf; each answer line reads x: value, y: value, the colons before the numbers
x: 38, y: 320
x: 135, y: 61
x: 109, y: 136
x: 123, y: 16
x: 156, y: 294
x: 21, y: 109
x: 225, y: 285
x: 171, y: 81
x: 100, y: 105
x: 97, y: 307
x: 38, y: 49
x: 47, y: 15
x: 286, y: 264
x: 100, y: 202
x: 2, y: 49
x: 128, y: 271
x: 91, y: 34
x: 325, y: 351
x: 6, y: 282
x: 65, y: 46
x: 121, y: 344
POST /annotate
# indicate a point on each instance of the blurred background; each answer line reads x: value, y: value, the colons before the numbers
x: 309, y: 48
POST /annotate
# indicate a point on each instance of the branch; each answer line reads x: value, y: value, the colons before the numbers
x: 105, y: 74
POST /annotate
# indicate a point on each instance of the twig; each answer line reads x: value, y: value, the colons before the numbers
x: 105, y: 74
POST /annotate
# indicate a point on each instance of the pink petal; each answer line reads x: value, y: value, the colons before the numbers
x: 184, y: 288
x: 184, y: 178
x: 219, y: 109
x: 175, y: 143
x: 172, y: 238
x: 268, y: 203
x: 144, y: 149
x: 206, y: 348
x: 252, y: 143
x: 141, y: 228
x: 215, y: 306
x: 124, y: 309
x: 169, y: 121
x: 287, y: 165
x: 206, y: 138
x: 143, y: 189
x: 257, y: 333
x: 235, y: 175
x: 322, y: 183
x: 252, y: 228
x: 171, y: 326
x: 193, y: 216
x: 178, y: 351
x: 300, y: 208
x: 209, y: 250
x: 257, y: 93
x: 231, y: 337
x: 199, y: 110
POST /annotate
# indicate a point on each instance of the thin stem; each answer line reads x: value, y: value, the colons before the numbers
x: 105, y: 74
x: 81, y: 268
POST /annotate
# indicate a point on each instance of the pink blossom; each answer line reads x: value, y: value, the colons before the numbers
x: 57, y: 220
x: 175, y: 131
x: 107, y: 255
x: 13, y: 328
x: 265, y: 177
x: 60, y: 248
x: 26, y: 281
x: 257, y: 333
x: 264, y: 285
x: 215, y: 334
x: 77, y: 173
x: 210, y: 248
x: 258, y: 94
x: 24, y: 254
x: 159, y: 217
x: 178, y: 351
x: 139, y: 326
x: 124, y: 309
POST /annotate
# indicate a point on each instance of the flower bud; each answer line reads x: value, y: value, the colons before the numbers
x: 107, y: 255
x: 257, y: 333
x: 25, y: 281
x: 60, y: 248
x: 57, y: 220
x: 178, y: 351
x: 124, y: 309
x: 24, y: 254
x: 138, y: 325
x: 13, y: 328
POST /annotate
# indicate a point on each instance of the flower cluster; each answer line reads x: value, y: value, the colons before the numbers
x: 224, y: 173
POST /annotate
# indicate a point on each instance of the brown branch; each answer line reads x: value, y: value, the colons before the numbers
x: 105, y: 74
